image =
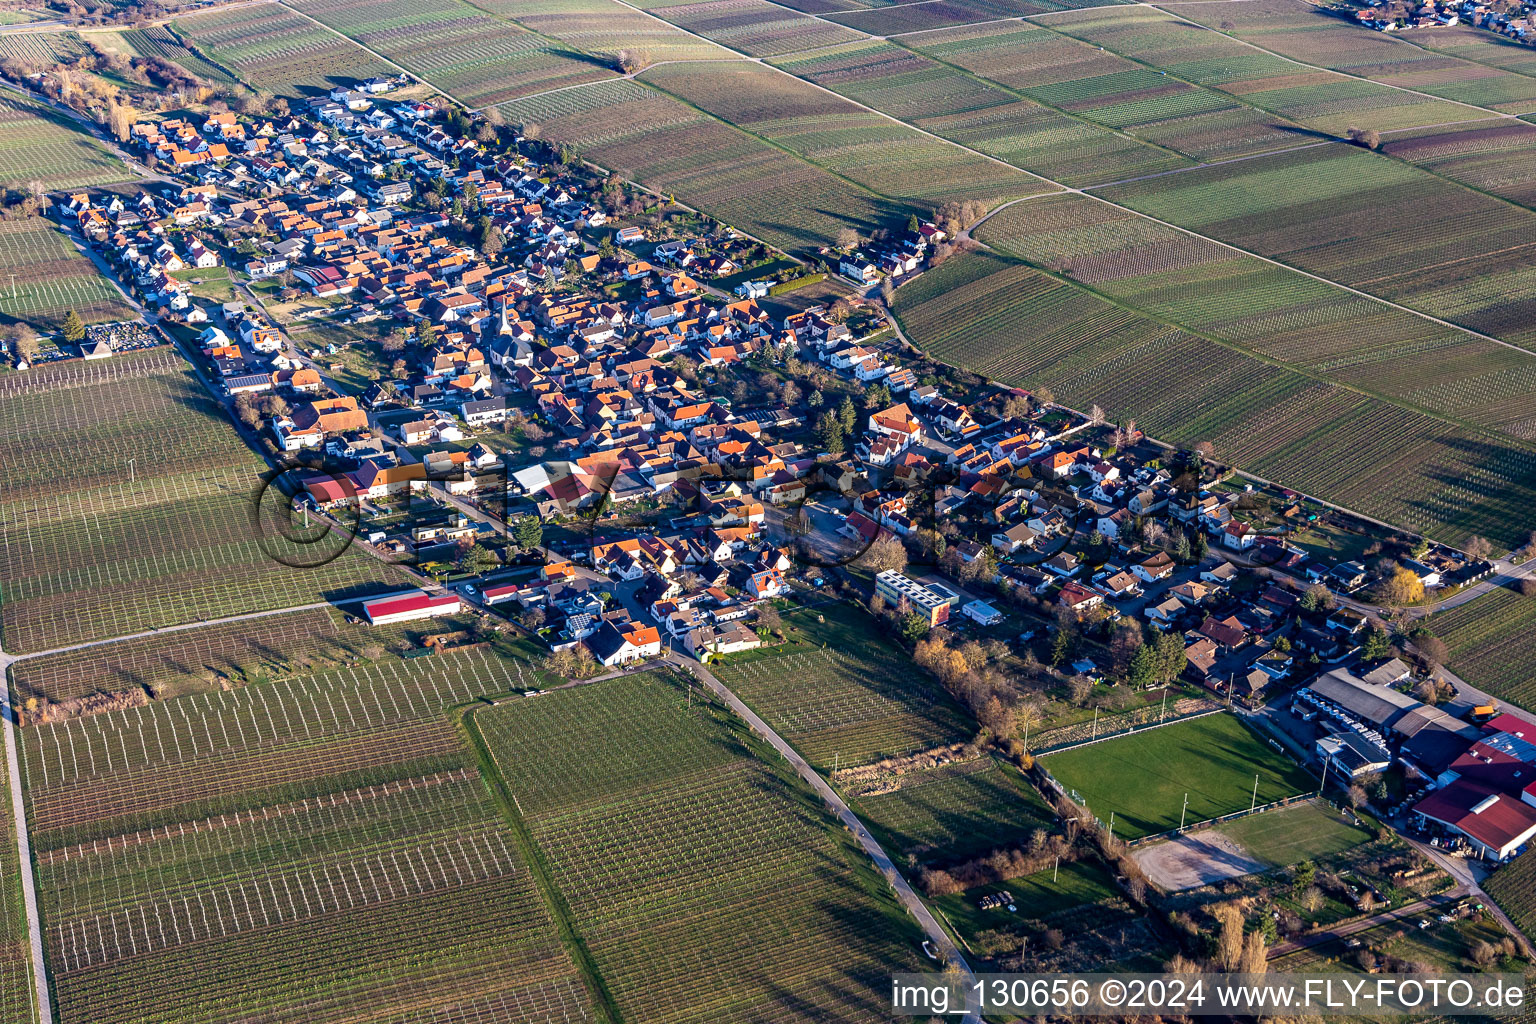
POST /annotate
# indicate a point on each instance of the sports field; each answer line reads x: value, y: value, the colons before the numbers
x: 705, y: 883
x: 841, y: 693
x: 1289, y: 835
x: 321, y: 848
x: 956, y: 812
x: 1143, y: 778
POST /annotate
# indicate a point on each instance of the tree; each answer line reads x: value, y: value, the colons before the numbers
x: 847, y: 415
x: 768, y: 617
x: 913, y: 626
x: 996, y: 718
x: 815, y: 399
x: 847, y: 238
x: 1478, y: 548
x: 1306, y: 874
x: 73, y: 328
x: 120, y: 118
x: 1255, y: 958
x: 1370, y: 138
x: 1312, y: 899
x: 1061, y: 647
x: 1377, y: 645
x: 492, y: 242
x: 527, y: 531
x: 426, y: 334
x: 477, y: 558
x: 1402, y: 587
x: 887, y: 553
x: 829, y: 431
x: 1317, y: 598
x: 1229, y: 942
x: 1141, y: 671
x: 631, y: 62
x: 1357, y: 797
x: 913, y: 225
x: 1169, y: 649
x: 23, y: 342
x: 395, y: 340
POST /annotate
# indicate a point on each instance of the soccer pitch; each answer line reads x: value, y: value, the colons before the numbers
x: 1143, y: 778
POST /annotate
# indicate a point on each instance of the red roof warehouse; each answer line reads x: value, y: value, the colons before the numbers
x: 415, y: 604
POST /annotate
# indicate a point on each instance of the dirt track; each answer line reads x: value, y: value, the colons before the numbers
x: 1193, y: 860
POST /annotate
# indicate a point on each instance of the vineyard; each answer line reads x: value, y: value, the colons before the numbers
x: 1013, y: 323
x: 951, y: 814
x: 1384, y: 227
x: 17, y: 995
x: 1144, y: 778
x: 921, y: 17
x: 1490, y: 641
x: 1306, y: 33
x: 320, y: 847
x: 842, y: 694
x: 272, y: 48
x: 1493, y: 158
x: 603, y: 27
x: 983, y: 116
x: 1273, y: 311
x: 160, y: 41
x: 871, y: 150
x: 706, y: 884
x: 127, y: 503
x: 754, y: 27
x: 723, y: 171
x: 51, y: 278
x: 476, y: 58
x: 39, y: 144
x: 1513, y: 888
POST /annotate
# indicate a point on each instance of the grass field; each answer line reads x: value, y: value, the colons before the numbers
x: 1051, y: 896
x: 320, y: 848
x: 841, y: 693
x: 705, y: 882
x: 1490, y: 639
x: 52, y: 278
x: 43, y: 145
x: 1143, y: 778
x: 92, y: 547
x: 1289, y: 835
x: 951, y: 814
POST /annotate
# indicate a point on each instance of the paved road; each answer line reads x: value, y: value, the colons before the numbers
x: 24, y: 845
x: 1385, y: 917
x: 1468, y: 878
x: 937, y: 937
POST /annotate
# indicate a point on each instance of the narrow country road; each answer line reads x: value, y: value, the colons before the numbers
x: 907, y: 896
x: 24, y: 844
x: 1317, y: 938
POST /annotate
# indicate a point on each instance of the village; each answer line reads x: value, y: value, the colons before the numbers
x: 600, y: 431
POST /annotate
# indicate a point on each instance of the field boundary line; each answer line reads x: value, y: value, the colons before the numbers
x: 178, y: 628
x: 1126, y: 732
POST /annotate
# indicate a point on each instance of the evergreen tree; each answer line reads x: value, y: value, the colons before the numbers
x: 74, y: 329
x: 829, y: 431
x: 847, y: 415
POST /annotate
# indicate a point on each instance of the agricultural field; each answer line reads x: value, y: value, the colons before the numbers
x: 1013, y: 323
x: 160, y: 41
x: 1490, y: 640
x: 603, y: 28
x: 272, y: 48
x: 705, y: 883
x: 723, y: 171
x: 896, y: 19
x: 1491, y: 157
x: 754, y: 27
x: 93, y: 546
x: 52, y: 277
x: 193, y: 660
x: 1316, y: 98
x: 1289, y: 835
x: 869, y: 149
x: 42, y: 49
x: 1075, y: 898
x: 1513, y: 887
x: 18, y: 998
x: 1143, y: 778
x: 980, y: 115
x: 1274, y: 311
x: 841, y: 693
x: 472, y: 56
x: 1310, y: 35
x: 320, y: 848
x: 1384, y: 227
x: 953, y: 813
x: 45, y: 146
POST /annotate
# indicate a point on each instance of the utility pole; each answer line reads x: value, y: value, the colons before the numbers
x: 1054, y: 868
x: 1255, y: 801
x: 1163, y: 711
x: 1095, y: 724
x: 132, y: 474
x: 1182, y: 812
x: 1111, y: 824
x: 1324, y: 783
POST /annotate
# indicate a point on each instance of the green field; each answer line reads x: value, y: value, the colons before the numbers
x: 1143, y: 778
x: 321, y: 848
x: 951, y: 814
x: 52, y: 278
x: 1051, y: 896
x: 1490, y: 639
x: 38, y: 144
x: 94, y: 547
x: 841, y: 693
x: 705, y: 883
x: 1289, y: 835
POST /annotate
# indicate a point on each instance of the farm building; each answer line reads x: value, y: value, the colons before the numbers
x: 414, y: 604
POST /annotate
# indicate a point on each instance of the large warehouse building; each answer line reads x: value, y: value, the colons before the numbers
x: 413, y: 604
